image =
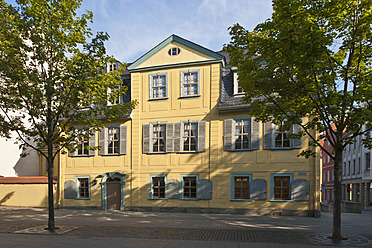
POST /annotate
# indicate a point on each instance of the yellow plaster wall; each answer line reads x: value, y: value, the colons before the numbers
x: 93, y: 167
x: 214, y: 164
x: 25, y: 195
x: 186, y: 55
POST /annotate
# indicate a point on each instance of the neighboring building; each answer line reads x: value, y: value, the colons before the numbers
x: 327, y: 174
x: 13, y: 164
x: 190, y: 145
x: 356, y: 173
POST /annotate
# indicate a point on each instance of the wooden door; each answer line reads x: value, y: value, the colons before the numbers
x: 113, y: 194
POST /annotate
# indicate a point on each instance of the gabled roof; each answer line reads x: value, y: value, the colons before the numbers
x: 169, y: 40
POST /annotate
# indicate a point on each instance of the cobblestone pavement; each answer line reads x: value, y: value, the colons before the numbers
x: 209, y: 230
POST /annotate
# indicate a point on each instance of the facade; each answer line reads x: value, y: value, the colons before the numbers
x: 356, y: 173
x: 190, y: 145
x: 327, y: 174
x: 13, y: 164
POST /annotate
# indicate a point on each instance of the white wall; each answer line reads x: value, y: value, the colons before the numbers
x: 11, y: 164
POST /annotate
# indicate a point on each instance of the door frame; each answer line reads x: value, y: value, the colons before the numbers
x: 112, y: 175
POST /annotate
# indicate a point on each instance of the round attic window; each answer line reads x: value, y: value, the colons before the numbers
x: 174, y: 51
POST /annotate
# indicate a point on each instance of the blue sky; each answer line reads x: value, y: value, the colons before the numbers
x: 136, y: 26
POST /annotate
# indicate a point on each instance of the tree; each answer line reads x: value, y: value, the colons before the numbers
x: 311, y: 58
x: 51, y: 78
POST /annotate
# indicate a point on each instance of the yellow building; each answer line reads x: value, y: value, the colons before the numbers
x: 190, y: 145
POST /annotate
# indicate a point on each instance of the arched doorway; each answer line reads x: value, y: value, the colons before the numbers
x: 113, y: 191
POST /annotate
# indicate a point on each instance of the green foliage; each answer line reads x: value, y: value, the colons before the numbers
x: 312, y: 58
x: 52, y: 77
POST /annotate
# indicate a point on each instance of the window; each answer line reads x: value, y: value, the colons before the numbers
x: 158, y: 85
x: 83, y: 187
x: 349, y: 168
x: 165, y: 137
x: 359, y: 166
x: 116, y: 99
x: 344, y: 171
x: 328, y: 173
x: 174, y: 51
x: 158, y: 137
x: 189, y: 187
x: 281, y: 139
x: 157, y: 186
x: 112, y: 67
x: 113, y: 140
x: 281, y: 188
x: 324, y: 177
x: 241, y: 187
x: 190, y: 83
x: 333, y: 175
x: 190, y: 136
x: 238, y: 90
x: 354, y: 167
x: 368, y: 161
x: 83, y: 143
x: 242, y: 134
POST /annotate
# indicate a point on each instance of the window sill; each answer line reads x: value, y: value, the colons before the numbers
x: 157, y: 199
x: 239, y: 94
x: 187, y: 152
x: 157, y: 153
x: 158, y: 99
x: 83, y: 199
x: 241, y: 200
x: 240, y: 151
x: 82, y: 156
x: 189, y: 199
x: 282, y: 201
x: 112, y: 155
x: 286, y: 149
x: 189, y: 97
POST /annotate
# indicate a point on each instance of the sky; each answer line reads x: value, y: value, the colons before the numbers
x: 136, y: 26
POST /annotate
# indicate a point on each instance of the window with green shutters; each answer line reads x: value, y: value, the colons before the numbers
x: 241, y: 133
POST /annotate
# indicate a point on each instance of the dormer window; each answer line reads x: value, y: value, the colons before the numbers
x: 174, y: 51
x: 238, y: 90
x: 112, y: 67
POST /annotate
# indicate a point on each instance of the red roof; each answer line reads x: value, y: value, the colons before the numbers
x: 25, y: 180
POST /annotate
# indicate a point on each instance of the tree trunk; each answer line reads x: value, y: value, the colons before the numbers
x: 51, y: 223
x: 336, y: 232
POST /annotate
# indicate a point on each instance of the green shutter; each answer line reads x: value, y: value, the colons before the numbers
x: 202, y: 130
x: 228, y: 134
x: 255, y: 134
x: 123, y: 140
x: 146, y: 129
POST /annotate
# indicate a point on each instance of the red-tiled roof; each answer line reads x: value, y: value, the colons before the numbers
x: 25, y: 180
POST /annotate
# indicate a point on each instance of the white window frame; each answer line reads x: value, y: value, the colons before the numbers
x: 242, y: 120
x: 152, y: 125
x: 113, y: 140
x: 151, y: 85
x: 277, y: 131
x: 236, y: 85
x: 151, y: 186
x: 197, y: 71
x: 78, y: 188
x: 189, y: 122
